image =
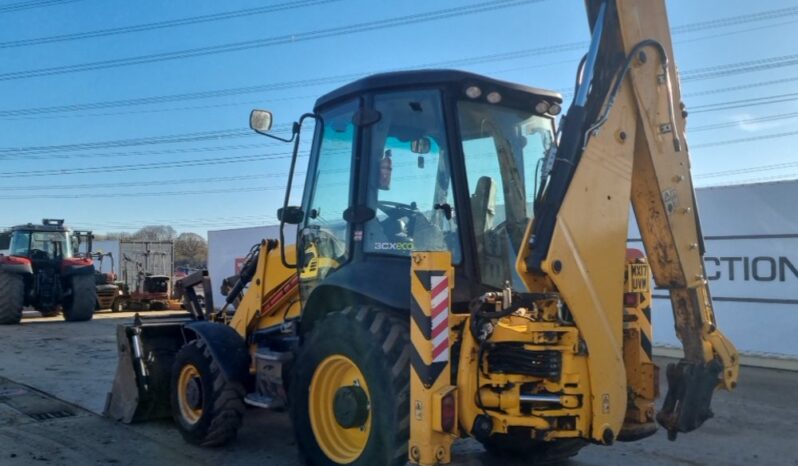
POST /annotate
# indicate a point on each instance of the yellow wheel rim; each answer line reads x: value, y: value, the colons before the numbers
x: 341, y: 444
x: 189, y: 393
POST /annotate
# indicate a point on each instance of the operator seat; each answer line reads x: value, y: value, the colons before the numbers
x: 483, y: 209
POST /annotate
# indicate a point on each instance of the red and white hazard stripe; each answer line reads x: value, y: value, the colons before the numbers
x: 440, y: 318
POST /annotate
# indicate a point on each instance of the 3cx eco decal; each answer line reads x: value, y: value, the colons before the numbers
x: 385, y: 246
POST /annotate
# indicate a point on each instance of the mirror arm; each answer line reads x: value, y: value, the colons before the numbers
x: 295, y: 138
x: 294, y: 131
x: 293, y: 135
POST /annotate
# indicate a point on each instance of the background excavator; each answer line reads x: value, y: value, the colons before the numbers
x: 460, y: 269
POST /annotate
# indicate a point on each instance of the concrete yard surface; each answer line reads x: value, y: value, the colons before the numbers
x: 54, y: 377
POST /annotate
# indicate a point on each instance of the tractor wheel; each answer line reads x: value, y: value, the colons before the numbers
x: 518, y: 444
x: 79, y: 305
x: 12, y: 298
x: 206, y: 408
x: 350, y: 389
x: 116, y: 306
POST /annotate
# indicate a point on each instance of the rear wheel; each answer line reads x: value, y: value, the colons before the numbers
x: 206, y: 407
x: 349, y: 392
x: 80, y: 303
x: 12, y: 298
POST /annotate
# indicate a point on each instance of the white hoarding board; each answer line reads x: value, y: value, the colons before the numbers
x: 751, y: 262
x: 227, y: 249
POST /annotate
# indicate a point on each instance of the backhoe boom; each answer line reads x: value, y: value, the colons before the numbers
x: 623, y: 140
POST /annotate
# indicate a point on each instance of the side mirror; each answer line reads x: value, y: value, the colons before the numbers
x: 260, y: 121
x: 291, y: 215
x: 420, y: 146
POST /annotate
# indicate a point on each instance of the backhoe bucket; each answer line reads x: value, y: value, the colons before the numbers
x: 147, y: 351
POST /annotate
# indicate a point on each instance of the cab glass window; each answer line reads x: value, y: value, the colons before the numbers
x: 323, y: 238
x: 503, y: 149
x: 409, y: 184
x: 20, y: 242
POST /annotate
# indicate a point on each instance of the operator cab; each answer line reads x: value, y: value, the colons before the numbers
x: 50, y: 241
x: 423, y: 160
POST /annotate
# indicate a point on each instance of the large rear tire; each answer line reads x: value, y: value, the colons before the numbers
x: 79, y: 305
x: 12, y: 298
x: 349, y: 390
x: 206, y: 407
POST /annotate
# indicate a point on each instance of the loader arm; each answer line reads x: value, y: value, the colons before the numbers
x: 623, y: 140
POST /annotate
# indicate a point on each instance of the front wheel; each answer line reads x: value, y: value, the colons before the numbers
x: 12, y: 298
x: 349, y: 392
x: 206, y: 407
x: 79, y: 305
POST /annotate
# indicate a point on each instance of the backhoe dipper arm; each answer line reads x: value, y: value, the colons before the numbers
x: 624, y: 139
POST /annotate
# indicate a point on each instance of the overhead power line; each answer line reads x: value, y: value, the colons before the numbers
x: 763, y: 137
x: 19, y: 6
x: 145, y: 166
x: 180, y: 97
x: 357, y: 28
x: 132, y: 184
x: 699, y: 73
x: 145, y: 193
x: 258, y: 157
x: 741, y: 87
x: 745, y: 103
x: 761, y: 64
x: 747, y: 121
x: 781, y: 177
x: 52, y: 151
x: 136, y: 153
x: 780, y: 13
x: 168, y: 139
x: 272, y: 41
x: 163, y: 24
x: 743, y: 171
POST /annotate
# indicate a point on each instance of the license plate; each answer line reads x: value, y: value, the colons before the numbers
x: 638, y: 278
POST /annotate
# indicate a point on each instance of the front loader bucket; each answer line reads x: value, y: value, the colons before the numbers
x: 147, y: 351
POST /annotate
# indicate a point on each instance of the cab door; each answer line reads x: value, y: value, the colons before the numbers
x: 323, y: 240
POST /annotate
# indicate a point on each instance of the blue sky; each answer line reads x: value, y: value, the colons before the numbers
x: 202, y: 184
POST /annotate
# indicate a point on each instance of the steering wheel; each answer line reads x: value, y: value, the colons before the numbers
x: 397, y: 210
x: 38, y: 254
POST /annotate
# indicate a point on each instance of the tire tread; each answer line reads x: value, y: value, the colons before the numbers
x: 389, y: 335
x: 12, y: 298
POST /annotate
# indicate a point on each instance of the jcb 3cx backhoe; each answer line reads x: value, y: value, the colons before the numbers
x: 461, y: 270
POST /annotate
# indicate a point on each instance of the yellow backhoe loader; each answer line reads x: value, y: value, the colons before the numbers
x: 460, y: 270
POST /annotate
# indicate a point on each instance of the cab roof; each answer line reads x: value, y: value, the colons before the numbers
x: 427, y: 78
x: 45, y: 226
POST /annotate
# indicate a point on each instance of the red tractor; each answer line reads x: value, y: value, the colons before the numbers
x: 39, y: 269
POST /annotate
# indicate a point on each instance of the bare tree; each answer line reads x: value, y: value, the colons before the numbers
x: 191, y: 250
x: 154, y: 233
